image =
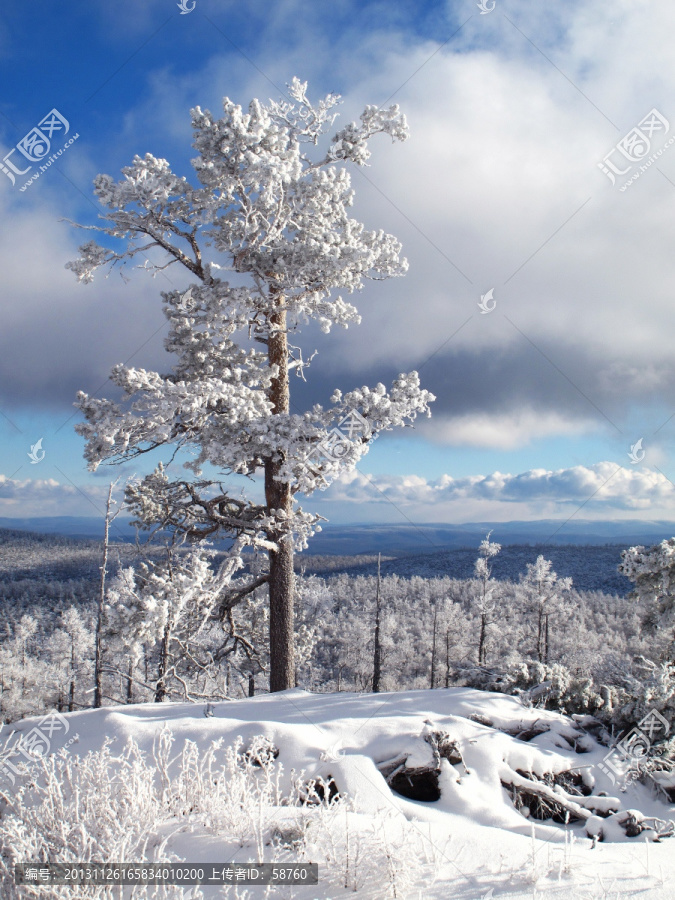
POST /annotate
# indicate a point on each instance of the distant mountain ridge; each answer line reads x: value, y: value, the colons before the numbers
x: 350, y: 540
x: 592, y: 567
x: 44, y: 555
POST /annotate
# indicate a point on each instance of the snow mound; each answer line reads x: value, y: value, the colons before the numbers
x: 484, y: 793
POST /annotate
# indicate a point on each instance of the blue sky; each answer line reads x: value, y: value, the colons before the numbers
x: 499, y: 188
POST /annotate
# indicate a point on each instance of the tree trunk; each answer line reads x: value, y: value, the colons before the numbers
x: 377, y: 651
x: 160, y: 687
x: 251, y: 684
x: 98, y: 650
x: 482, y: 654
x: 278, y: 496
x: 540, y: 635
x: 130, y: 683
x: 447, y: 658
x: 432, y: 677
x: 71, y: 693
x: 546, y: 642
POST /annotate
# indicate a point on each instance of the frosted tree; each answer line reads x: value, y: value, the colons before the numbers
x: 71, y: 649
x: 271, y: 207
x: 165, y: 607
x: 652, y: 571
x: 25, y: 675
x: 546, y: 594
x: 486, y: 586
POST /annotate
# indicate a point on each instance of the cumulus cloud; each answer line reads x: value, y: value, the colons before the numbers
x: 49, y: 497
x: 604, y: 488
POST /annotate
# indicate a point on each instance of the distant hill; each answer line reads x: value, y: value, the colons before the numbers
x: 72, y: 526
x: 592, y: 567
x: 348, y: 540
x: 25, y: 554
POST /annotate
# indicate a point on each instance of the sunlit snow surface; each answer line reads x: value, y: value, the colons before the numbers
x: 474, y: 840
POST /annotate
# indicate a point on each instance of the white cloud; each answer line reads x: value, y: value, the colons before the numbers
x: 500, y: 430
x: 603, y: 489
x: 49, y: 497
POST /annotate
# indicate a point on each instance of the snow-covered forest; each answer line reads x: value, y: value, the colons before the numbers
x: 430, y: 635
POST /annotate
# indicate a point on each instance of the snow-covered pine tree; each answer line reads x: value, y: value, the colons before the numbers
x: 275, y: 213
x: 652, y: 571
x: 545, y: 594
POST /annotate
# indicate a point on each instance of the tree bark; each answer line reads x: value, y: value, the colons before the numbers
x: 432, y: 677
x: 377, y: 651
x: 278, y: 496
x: 98, y: 649
x: 482, y: 655
x: 447, y: 658
x: 71, y: 692
x: 160, y: 687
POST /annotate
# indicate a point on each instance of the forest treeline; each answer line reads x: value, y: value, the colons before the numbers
x: 165, y: 638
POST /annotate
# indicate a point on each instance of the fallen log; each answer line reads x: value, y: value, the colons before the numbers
x: 553, y: 801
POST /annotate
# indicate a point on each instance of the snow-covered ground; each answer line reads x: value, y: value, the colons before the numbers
x: 472, y: 843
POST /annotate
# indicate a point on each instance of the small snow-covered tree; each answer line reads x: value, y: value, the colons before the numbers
x: 486, y: 586
x: 545, y: 594
x: 25, y: 675
x: 652, y: 571
x: 71, y: 649
x: 274, y: 213
x: 165, y: 606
